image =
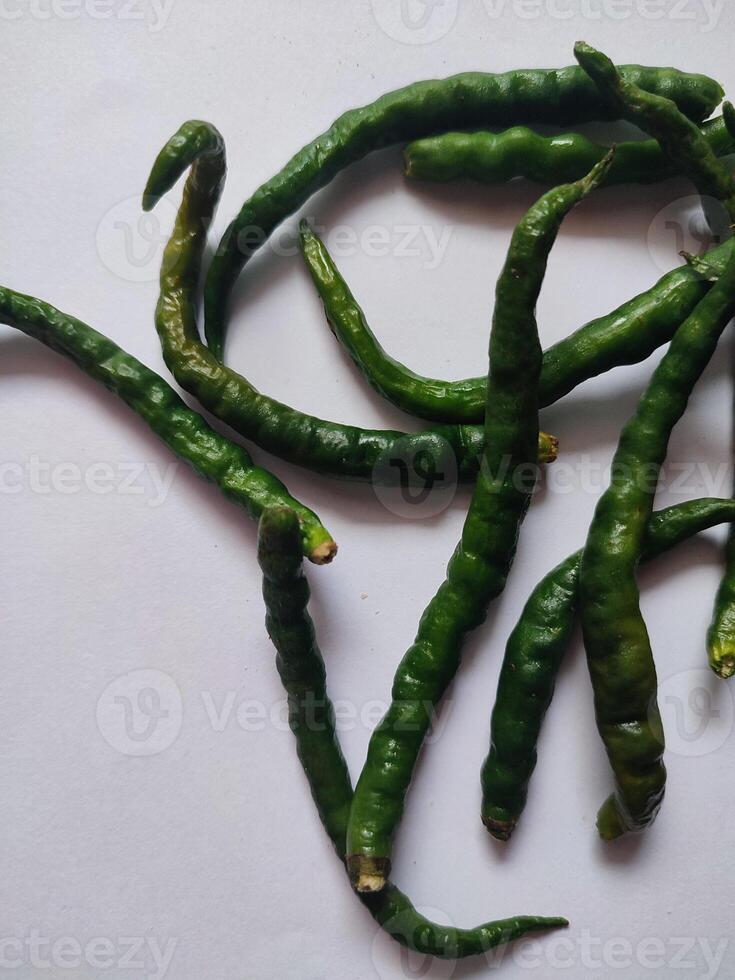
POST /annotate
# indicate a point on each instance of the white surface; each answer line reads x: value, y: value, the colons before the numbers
x: 213, y: 844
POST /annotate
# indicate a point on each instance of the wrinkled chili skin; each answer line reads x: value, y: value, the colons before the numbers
x: 330, y: 448
x: 479, y: 567
x: 628, y: 335
x: 311, y: 719
x: 214, y: 457
x: 533, y: 656
x: 620, y: 660
x: 557, y: 96
x: 492, y: 158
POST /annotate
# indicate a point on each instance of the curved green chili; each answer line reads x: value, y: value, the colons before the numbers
x: 627, y: 335
x: 479, y: 567
x: 533, y: 657
x: 558, y: 96
x: 680, y: 139
x: 328, y: 447
x: 212, y: 455
x: 311, y: 718
x: 493, y: 158
x: 620, y: 660
x: 684, y: 144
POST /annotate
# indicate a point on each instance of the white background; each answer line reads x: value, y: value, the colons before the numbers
x: 213, y: 845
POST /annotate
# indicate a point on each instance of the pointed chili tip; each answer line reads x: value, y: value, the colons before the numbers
x: 150, y: 199
x: 700, y: 266
x: 583, y: 50
x: 595, y: 63
x: 599, y: 172
x: 557, y: 922
x: 307, y: 235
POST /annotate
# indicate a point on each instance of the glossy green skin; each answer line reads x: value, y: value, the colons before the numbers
x: 311, y: 718
x: 343, y: 451
x: 533, y: 657
x: 626, y: 336
x: 493, y: 158
x: 212, y: 455
x: 479, y: 567
x: 619, y: 657
x: 557, y: 96
x: 681, y: 140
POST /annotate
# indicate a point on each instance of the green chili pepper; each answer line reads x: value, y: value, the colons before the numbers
x: 493, y: 158
x: 186, y: 433
x: 680, y: 139
x: 479, y: 567
x: 311, y: 718
x: 533, y: 657
x: 627, y: 335
x: 684, y: 144
x: 618, y: 649
x: 558, y: 96
x: 327, y: 447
